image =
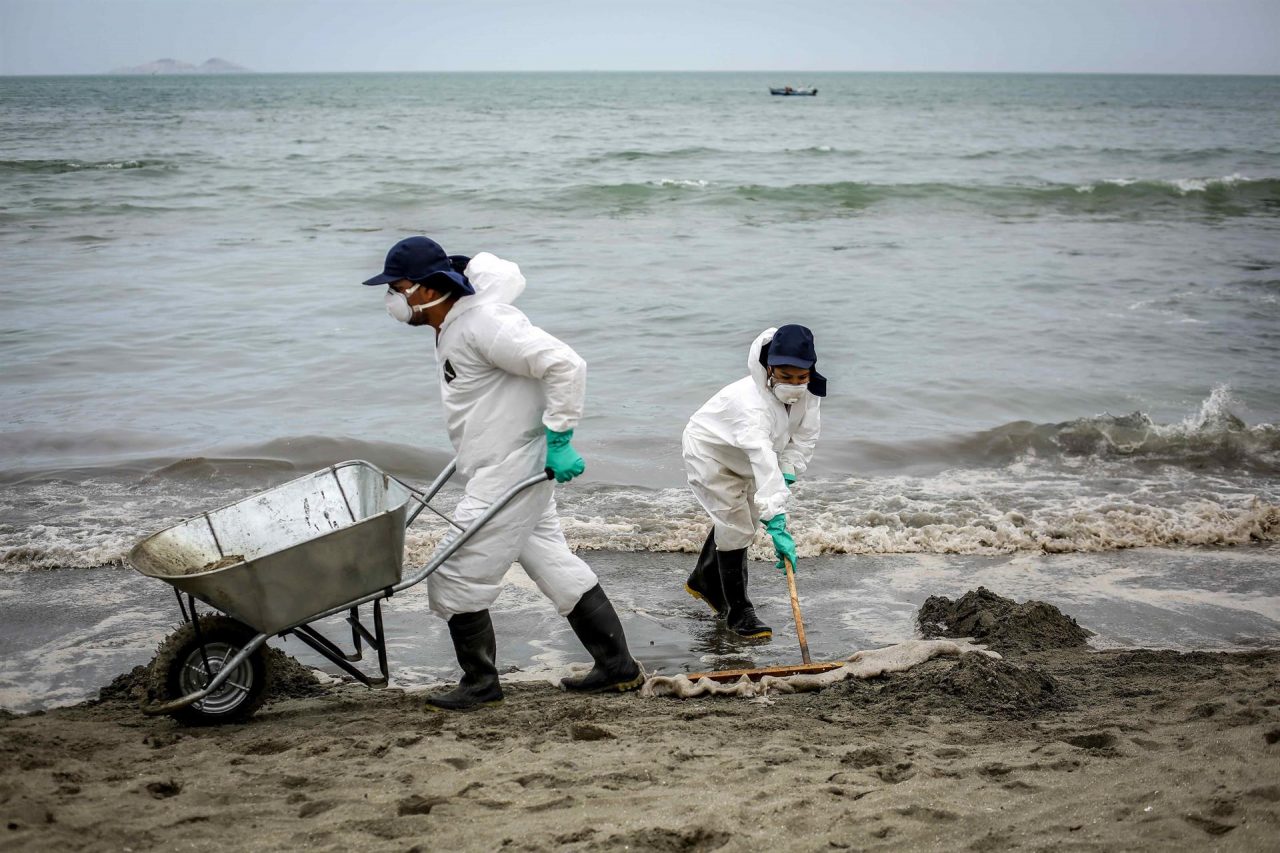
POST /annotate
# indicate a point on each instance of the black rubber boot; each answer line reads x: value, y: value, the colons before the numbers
x: 476, y: 648
x: 741, y: 616
x: 596, y: 623
x: 704, y: 583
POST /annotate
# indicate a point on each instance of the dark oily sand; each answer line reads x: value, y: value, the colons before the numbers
x: 287, y: 679
x: 980, y: 684
x: 225, y: 562
x: 1001, y: 623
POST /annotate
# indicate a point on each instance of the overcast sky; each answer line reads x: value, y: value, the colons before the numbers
x: 1152, y: 36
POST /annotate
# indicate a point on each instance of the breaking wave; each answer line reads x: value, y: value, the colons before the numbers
x: 1193, y: 156
x: 982, y: 528
x: 956, y: 513
x: 632, y: 154
x: 61, y: 166
x: 1212, y: 439
x: 1092, y: 484
x: 1233, y: 194
x: 1180, y: 186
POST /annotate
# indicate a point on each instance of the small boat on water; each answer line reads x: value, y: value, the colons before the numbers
x: 793, y: 90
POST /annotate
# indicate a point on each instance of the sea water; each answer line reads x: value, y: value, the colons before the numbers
x: 1047, y: 305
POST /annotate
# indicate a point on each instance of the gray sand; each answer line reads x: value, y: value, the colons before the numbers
x: 1115, y: 750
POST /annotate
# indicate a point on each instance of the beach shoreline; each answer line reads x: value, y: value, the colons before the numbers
x: 67, y: 632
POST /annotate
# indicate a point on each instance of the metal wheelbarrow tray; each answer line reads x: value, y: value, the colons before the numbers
x: 320, y: 545
x: 277, y: 558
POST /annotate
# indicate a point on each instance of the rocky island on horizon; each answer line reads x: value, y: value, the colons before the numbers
x: 174, y: 66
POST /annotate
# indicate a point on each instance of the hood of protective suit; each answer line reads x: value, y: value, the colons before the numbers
x: 497, y: 282
x: 755, y: 366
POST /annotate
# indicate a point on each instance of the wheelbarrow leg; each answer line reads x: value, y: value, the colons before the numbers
x: 195, y: 623
x: 377, y: 640
x: 325, y: 647
x: 354, y: 619
x: 382, y: 639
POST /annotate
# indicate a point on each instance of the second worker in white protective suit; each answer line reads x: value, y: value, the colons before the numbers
x: 742, y: 451
x: 512, y: 396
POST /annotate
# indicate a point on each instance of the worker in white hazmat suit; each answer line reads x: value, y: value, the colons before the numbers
x: 742, y: 451
x: 512, y: 396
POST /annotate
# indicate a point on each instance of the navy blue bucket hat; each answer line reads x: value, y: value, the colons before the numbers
x: 792, y: 346
x: 421, y: 258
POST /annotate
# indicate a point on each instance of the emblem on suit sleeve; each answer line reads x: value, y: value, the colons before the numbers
x: 449, y: 373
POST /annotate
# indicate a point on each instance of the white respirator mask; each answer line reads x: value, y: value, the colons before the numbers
x: 789, y: 395
x: 398, y: 304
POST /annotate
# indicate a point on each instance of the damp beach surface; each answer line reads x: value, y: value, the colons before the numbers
x: 1053, y: 743
x: 66, y: 632
x: 1095, y: 750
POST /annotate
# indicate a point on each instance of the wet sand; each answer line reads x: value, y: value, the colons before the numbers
x: 1068, y: 748
x: 66, y: 632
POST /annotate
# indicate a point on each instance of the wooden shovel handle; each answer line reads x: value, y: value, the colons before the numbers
x: 795, y: 610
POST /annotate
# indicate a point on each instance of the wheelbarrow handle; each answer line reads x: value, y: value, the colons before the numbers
x: 458, y: 541
x: 424, y: 498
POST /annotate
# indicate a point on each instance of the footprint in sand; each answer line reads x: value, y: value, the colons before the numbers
x: 163, y: 789
x: 418, y: 804
x: 1270, y: 793
x: 995, y: 770
x: 925, y: 813
x: 1091, y: 740
x: 1209, y: 825
x: 900, y: 772
x: 315, y: 808
x: 867, y: 756
x: 266, y: 747
x: 692, y: 840
x: 459, y: 763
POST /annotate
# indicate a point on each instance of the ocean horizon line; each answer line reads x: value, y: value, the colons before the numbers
x: 479, y: 71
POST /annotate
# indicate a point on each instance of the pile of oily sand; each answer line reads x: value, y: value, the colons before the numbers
x: 1000, y: 623
x: 287, y: 679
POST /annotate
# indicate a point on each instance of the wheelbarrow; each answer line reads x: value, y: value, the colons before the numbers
x: 275, y: 563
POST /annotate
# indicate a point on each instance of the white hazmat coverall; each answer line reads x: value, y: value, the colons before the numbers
x: 502, y: 380
x: 737, y: 446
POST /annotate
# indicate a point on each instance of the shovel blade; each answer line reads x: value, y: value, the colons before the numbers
x: 726, y: 675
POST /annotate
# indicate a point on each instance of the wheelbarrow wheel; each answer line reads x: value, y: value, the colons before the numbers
x: 179, y: 670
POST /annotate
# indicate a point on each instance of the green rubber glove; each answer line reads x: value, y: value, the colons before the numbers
x: 783, y: 544
x: 789, y: 479
x: 562, y: 460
